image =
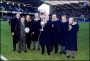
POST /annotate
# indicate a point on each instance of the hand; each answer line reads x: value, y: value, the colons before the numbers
x: 74, y: 23
x: 52, y: 25
x: 70, y: 27
x: 33, y: 33
x: 40, y: 29
x: 12, y: 33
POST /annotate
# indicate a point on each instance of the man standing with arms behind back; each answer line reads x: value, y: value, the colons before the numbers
x: 28, y: 35
x: 14, y: 21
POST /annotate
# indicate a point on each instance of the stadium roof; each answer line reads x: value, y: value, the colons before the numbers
x: 37, y: 3
x: 57, y: 2
x: 34, y: 3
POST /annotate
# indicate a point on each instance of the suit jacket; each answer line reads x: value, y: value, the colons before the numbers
x: 55, y: 31
x: 45, y: 37
x: 14, y: 21
x: 18, y: 31
x: 71, y: 42
x: 36, y: 29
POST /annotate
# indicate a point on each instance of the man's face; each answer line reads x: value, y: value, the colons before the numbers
x: 28, y: 18
x: 54, y: 16
x: 46, y: 17
x: 36, y: 15
x: 18, y: 15
x: 71, y: 20
x: 22, y: 20
x: 63, y: 18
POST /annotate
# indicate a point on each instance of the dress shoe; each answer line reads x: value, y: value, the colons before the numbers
x: 68, y: 56
x: 73, y: 57
x: 60, y: 52
x: 64, y: 52
x: 19, y: 51
x: 25, y: 51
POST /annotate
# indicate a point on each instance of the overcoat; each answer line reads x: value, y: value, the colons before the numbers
x: 36, y: 29
x: 55, y: 31
x: 63, y: 33
x: 14, y: 21
x: 71, y: 42
x: 45, y: 37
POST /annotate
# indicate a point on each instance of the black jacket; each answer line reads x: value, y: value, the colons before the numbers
x: 14, y: 21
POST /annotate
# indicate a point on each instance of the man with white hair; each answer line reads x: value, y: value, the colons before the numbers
x: 71, y: 42
x: 36, y: 30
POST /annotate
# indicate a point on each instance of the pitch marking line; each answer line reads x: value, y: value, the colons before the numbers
x: 3, y: 58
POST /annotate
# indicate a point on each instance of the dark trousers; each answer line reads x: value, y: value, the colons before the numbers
x: 47, y: 47
x: 51, y: 47
x: 56, y: 47
x: 28, y: 40
x: 28, y: 45
x: 22, y: 44
x: 14, y: 42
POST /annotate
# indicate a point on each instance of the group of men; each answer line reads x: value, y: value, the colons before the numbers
x: 55, y: 33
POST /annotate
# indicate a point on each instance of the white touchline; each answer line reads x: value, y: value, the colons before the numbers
x: 3, y: 58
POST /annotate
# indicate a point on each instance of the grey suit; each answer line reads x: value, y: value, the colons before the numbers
x: 21, y: 36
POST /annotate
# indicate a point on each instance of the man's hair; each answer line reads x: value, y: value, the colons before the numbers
x: 17, y: 13
x: 27, y: 15
x: 72, y: 18
x: 64, y: 16
x: 22, y: 17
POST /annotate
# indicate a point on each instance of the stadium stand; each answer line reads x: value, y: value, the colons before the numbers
x: 79, y: 10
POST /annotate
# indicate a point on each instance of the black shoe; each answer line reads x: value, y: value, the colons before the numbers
x: 73, y: 57
x: 14, y: 49
x: 33, y: 48
x: 55, y: 52
x: 68, y: 56
x: 25, y: 51
x: 64, y: 52
x: 60, y: 52
x: 48, y: 53
x: 29, y: 48
x: 19, y: 51
x: 42, y: 53
x: 51, y: 50
x: 38, y: 48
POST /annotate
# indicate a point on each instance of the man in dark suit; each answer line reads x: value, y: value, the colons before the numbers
x: 55, y: 32
x: 45, y: 37
x: 36, y: 31
x: 63, y: 34
x: 71, y: 42
x: 14, y: 21
x: 21, y: 35
x: 28, y: 35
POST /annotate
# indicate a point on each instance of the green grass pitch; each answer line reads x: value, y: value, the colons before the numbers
x: 6, y: 46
